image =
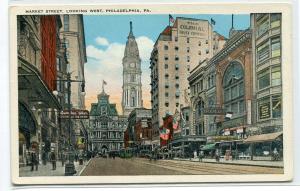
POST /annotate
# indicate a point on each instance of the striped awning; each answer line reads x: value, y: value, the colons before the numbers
x: 263, y: 137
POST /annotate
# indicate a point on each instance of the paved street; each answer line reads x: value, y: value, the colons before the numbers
x: 46, y: 170
x: 139, y: 166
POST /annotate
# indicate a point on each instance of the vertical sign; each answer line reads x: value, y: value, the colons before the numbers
x: 249, y: 112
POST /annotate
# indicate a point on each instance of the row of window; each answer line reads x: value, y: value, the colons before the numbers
x: 269, y: 48
x: 188, y: 41
x: 264, y: 23
x: 238, y: 108
x: 167, y: 76
x: 177, y: 94
x: 269, y: 77
x: 107, y: 135
x: 233, y: 92
x: 187, y: 58
x: 197, y: 87
x: 188, y: 49
x: 104, y: 124
x: 167, y: 85
x: 167, y: 104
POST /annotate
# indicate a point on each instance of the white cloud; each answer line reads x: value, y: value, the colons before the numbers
x: 106, y: 64
x: 145, y: 47
x: 102, y: 41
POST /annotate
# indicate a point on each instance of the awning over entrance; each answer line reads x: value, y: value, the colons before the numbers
x: 29, y: 79
x: 208, y: 147
x: 263, y: 137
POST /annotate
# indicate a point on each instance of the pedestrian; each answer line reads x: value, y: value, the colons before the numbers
x: 34, y: 160
x: 53, y: 160
x: 217, y: 156
x: 62, y: 159
x: 275, y: 154
x: 201, y: 156
x: 76, y: 157
x: 44, y: 158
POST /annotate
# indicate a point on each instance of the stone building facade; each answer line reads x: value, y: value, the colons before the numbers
x: 220, y: 85
x: 266, y: 134
x: 234, y: 82
x: 177, y: 51
x: 267, y: 69
x: 106, y: 127
x: 38, y: 48
x: 132, y: 85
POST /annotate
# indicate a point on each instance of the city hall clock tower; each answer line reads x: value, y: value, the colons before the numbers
x: 132, y: 86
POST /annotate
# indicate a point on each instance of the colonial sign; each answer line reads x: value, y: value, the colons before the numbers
x: 75, y: 114
x: 264, y: 111
x: 196, y: 29
x: 213, y: 111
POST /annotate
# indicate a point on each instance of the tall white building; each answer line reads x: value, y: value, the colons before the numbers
x: 72, y: 34
x: 132, y: 86
x: 177, y: 51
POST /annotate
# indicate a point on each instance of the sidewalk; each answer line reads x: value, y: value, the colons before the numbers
x: 46, y: 170
x: 278, y: 164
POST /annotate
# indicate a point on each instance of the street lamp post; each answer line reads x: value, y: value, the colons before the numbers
x: 70, y: 167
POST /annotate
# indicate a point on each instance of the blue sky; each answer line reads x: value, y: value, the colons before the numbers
x: 106, y: 36
x: 115, y: 27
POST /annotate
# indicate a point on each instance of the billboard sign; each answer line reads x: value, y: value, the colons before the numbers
x: 74, y: 114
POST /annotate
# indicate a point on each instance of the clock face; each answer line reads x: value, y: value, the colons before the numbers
x: 132, y: 64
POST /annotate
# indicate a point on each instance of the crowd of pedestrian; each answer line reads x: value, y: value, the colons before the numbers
x: 33, y: 159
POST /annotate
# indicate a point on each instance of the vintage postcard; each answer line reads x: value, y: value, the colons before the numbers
x: 157, y: 93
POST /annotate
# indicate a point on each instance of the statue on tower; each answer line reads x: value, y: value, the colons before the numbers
x: 103, y: 84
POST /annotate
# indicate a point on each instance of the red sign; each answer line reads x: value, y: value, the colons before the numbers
x: 74, y: 114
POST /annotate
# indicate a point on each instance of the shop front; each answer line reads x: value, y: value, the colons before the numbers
x: 266, y: 146
x: 27, y: 130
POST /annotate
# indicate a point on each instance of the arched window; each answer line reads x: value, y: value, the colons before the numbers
x: 233, y: 85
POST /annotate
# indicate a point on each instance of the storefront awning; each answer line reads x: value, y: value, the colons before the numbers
x: 208, y: 147
x: 30, y: 80
x: 263, y: 137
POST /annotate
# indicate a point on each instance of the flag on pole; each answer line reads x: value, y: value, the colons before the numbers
x: 213, y: 22
x: 171, y: 19
x: 103, y: 83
